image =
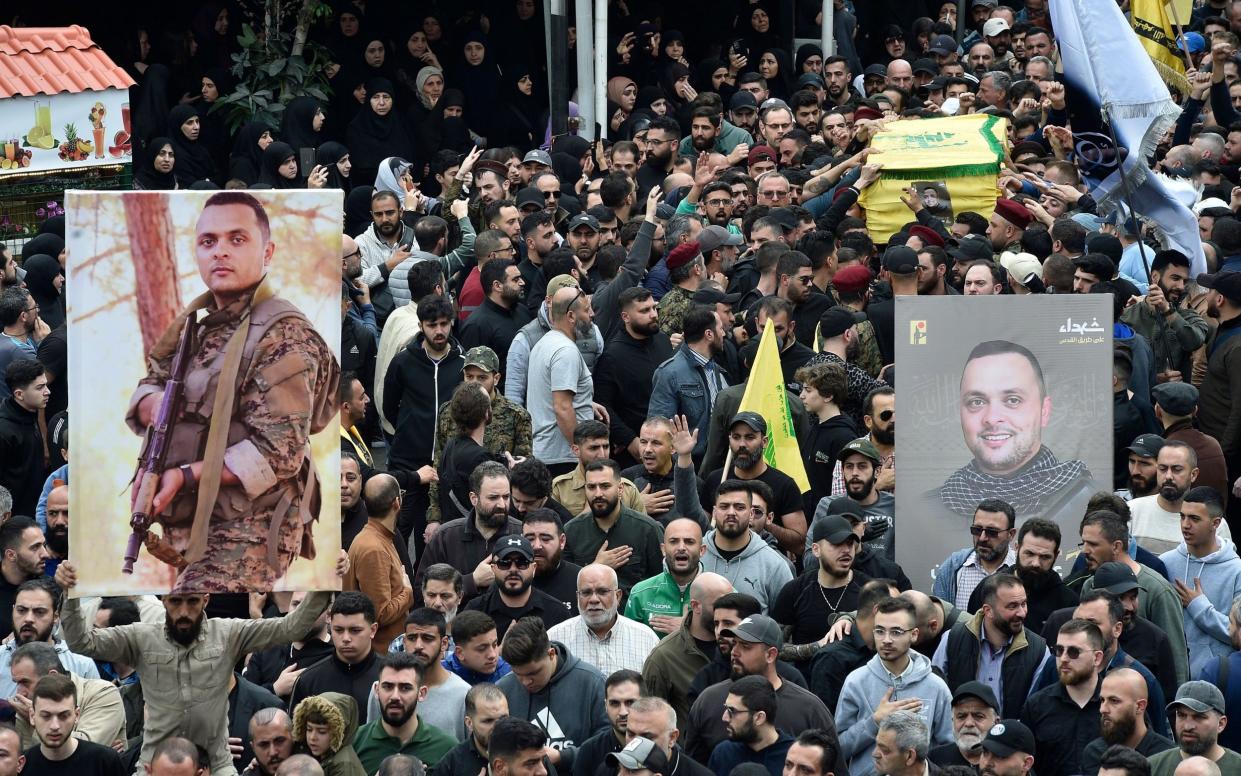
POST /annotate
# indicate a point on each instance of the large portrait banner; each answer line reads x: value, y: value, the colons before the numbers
x: 1004, y: 397
x: 204, y: 349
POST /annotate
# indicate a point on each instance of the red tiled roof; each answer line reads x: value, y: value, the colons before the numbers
x: 51, y: 60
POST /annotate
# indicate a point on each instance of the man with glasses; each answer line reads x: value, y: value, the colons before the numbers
x: 489, y: 245
x: 1065, y: 717
x: 897, y: 678
x: 600, y: 635
x: 773, y: 121
x: 23, y: 329
x: 993, y: 528
x: 774, y: 190
x: 548, y: 185
x: 514, y: 596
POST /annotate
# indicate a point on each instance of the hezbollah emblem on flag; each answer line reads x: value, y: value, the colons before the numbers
x: 951, y: 162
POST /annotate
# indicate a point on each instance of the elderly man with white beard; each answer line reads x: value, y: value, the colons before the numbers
x: 600, y: 635
x: 973, y: 714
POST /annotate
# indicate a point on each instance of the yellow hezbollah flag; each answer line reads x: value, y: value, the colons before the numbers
x: 1153, y: 26
x: 766, y: 395
x: 952, y: 162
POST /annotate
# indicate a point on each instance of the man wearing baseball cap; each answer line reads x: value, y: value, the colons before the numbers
x: 860, y: 462
x: 1143, y: 472
x: 839, y: 327
x: 1008, y: 749
x: 1197, y: 720
x: 1176, y: 404
x: 1215, y: 402
x: 513, y: 596
x: 974, y: 712
x: 830, y: 586
x: 640, y: 757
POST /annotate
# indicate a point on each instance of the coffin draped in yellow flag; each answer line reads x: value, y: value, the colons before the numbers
x: 958, y: 154
x: 766, y: 395
x: 1152, y: 21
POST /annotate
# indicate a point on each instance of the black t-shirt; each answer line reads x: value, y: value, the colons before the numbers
x: 89, y: 760
x: 787, y: 496
x: 541, y: 605
x: 806, y: 605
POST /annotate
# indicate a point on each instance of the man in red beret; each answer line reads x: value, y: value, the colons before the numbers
x: 921, y: 236
x: 686, y: 269
x: 762, y: 158
x: 1008, y: 223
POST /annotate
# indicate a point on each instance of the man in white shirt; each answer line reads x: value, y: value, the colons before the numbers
x: 1155, y: 520
x: 600, y: 635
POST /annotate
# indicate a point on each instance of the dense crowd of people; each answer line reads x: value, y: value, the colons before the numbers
x: 565, y: 550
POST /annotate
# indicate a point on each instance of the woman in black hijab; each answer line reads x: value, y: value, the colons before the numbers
x: 376, y: 63
x: 154, y: 170
x: 334, y: 157
x: 415, y: 55
x: 44, y: 280
x: 479, y: 79
x: 210, y: 29
x: 517, y: 118
x: 217, y: 83
x: 302, y: 125
x: 51, y: 244
x: 193, y: 159
x: 280, y: 167
x: 377, y: 132
x: 246, y: 161
x: 776, y: 69
x: 358, y: 210
x: 151, y: 106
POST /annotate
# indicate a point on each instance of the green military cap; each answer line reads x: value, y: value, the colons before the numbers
x: 483, y: 357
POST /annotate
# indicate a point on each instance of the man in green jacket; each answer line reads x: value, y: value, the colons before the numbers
x: 661, y: 601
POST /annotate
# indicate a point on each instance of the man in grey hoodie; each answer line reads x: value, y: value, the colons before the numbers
x: 738, y: 554
x: 897, y: 678
x: 553, y: 689
x: 1206, y: 572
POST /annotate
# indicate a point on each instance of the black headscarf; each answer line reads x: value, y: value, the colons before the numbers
x: 297, y: 125
x: 277, y: 154
x: 481, y: 86
x: 150, y: 115
x: 148, y: 178
x: 246, y: 161
x: 517, y: 120
x: 328, y: 155
x: 50, y: 244
x: 454, y: 132
x: 41, y: 273
x: 373, y: 138
x: 349, y: 48
x: 54, y: 225
x: 212, y: 47
x: 358, y: 210
x: 806, y: 51
x: 780, y: 86
x: 193, y: 158
x: 675, y: 72
x: 703, y: 72
x: 385, y: 69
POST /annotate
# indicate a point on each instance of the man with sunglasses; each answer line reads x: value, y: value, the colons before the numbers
x: 1065, y: 717
x: 514, y: 596
x: 993, y: 528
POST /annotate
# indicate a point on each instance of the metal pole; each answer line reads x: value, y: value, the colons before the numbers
x: 961, y: 21
x: 601, y: 65
x: 1124, y: 183
x: 826, y: 34
x: 587, y: 86
x: 556, y: 26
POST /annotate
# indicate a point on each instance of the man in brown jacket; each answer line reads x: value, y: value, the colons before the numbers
x: 1175, y: 407
x: 374, y: 567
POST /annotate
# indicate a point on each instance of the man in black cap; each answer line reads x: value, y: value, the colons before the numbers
x: 974, y: 712
x: 902, y: 271
x: 1176, y: 404
x: 1008, y: 749
x: 743, y: 110
x: 747, y: 441
x: 640, y: 757
x: 1198, y: 720
x: 838, y: 329
x: 970, y: 249
x: 582, y: 236
x: 874, y: 78
x: 513, y: 595
x: 831, y: 586
x: 860, y: 463
x: 1143, y: 473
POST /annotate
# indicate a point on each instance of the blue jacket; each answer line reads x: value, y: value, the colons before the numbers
x: 679, y: 387
x: 945, y: 585
x: 473, y: 677
x: 729, y: 754
x: 1231, y: 736
x: 1206, y: 617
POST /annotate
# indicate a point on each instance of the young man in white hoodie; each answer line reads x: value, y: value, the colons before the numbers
x: 897, y: 678
x: 1206, y: 572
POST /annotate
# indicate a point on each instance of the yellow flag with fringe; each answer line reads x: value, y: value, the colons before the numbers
x: 952, y: 163
x: 765, y: 394
x: 1153, y: 25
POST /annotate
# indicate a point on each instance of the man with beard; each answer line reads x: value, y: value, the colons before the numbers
x: 484, y: 706
x: 1174, y: 331
x: 213, y: 645
x: 1176, y: 405
x: 747, y: 439
x: 704, y: 127
x: 750, y: 711
x: 1143, y: 469
x: 277, y: 669
x: 513, y: 596
x: 426, y: 638
x: 400, y: 729
x: 621, y: 690
x: 375, y: 567
x: 382, y: 247
x: 57, y: 525
x: 1155, y: 519
x: 1064, y: 716
x: 36, y: 612
x: 466, y: 543
x: 101, y: 712
x: 501, y: 315
x: 737, y: 553
x: 591, y: 442
x: 553, y: 574
x: 756, y: 646
x: 1008, y: 750
x: 672, y: 665
x: 1122, y: 719
x: 686, y: 271
x: 688, y: 383
x: 662, y: 140
x: 662, y: 601
x: 611, y: 533
x: 1199, y: 718
x: 994, y: 646
x: 1038, y: 546
x: 860, y: 463
x: 808, y: 603
x: 717, y: 204
x: 271, y: 737
x: 1216, y: 414
x: 600, y: 636
x: 973, y: 714
x: 796, y: 286
x: 879, y: 417
x: 582, y: 234
x: 993, y: 528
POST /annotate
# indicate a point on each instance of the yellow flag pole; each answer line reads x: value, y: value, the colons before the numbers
x: 1180, y: 36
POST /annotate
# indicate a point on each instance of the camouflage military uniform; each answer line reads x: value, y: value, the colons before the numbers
x: 286, y: 390
x: 509, y: 429
x: 1012, y: 247
x: 672, y: 309
x: 868, y: 356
